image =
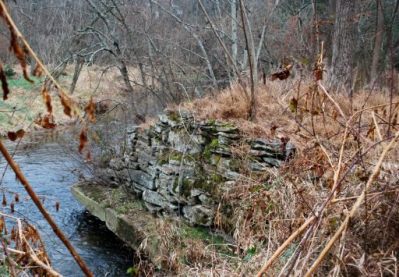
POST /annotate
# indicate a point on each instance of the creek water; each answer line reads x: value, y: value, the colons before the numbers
x: 51, y: 169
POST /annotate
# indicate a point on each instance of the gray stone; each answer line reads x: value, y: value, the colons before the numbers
x: 206, y: 200
x: 231, y: 175
x: 198, y: 139
x: 133, y: 165
x: 167, y: 166
x: 223, y: 128
x: 164, y: 136
x: 224, y: 164
x: 172, y: 119
x: 163, y: 182
x: 163, y: 118
x: 168, y: 169
x: 143, y: 157
x: 272, y: 148
x: 272, y: 162
x: 256, y: 166
x: 141, y: 178
x: 122, y: 175
x: 142, y: 146
x: 198, y: 215
x: 224, y: 151
x: 107, y: 176
x: 196, y: 192
x: 225, y: 140
x: 143, y: 139
x: 263, y: 153
x: 154, y: 198
x: 158, y: 128
x: 182, y: 143
x: 169, y: 197
x: 153, y: 171
x: 154, y: 209
x: 231, y: 136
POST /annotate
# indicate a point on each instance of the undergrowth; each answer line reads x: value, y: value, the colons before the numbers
x: 334, y: 189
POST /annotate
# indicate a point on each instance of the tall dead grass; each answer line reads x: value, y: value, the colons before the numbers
x: 339, y: 141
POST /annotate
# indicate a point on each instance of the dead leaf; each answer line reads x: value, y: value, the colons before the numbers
x: 90, y: 109
x: 67, y: 104
x: 4, y: 83
x: 293, y: 105
x: 282, y: 75
x: 82, y: 139
x: 47, y: 99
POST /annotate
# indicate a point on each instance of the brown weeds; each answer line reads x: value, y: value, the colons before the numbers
x: 291, y: 214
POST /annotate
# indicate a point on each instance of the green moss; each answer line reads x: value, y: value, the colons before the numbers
x: 125, y: 206
x: 174, y: 116
x: 113, y: 198
x: 94, y: 192
x: 206, y: 182
x: 209, y: 148
x: 214, y: 143
x: 217, y: 178
x: 203, y: 234
x: 176, y: 156
x: 211, y: 122
x: 227, y: 124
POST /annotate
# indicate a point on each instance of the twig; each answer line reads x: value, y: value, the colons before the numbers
x: 368, y: 194
x: 332, y: 100
x: 43, y: 210
x: 377, y: 128
x: 277, y: 253
x: 354, y: 208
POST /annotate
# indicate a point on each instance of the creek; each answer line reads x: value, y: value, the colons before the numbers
x: 52, y: 169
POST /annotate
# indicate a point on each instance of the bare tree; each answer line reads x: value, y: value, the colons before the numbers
x: 344, y: 42
x: 379, y: 34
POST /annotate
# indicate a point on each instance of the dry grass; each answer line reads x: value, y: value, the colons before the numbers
x: 332, y: 150
x: 25, y: 102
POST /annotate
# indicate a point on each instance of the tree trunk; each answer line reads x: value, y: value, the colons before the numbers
x: 123, y: 68
x: 377, y: 42
x: 76, y: 73
x: 234, y: 30
x: 341, y: 77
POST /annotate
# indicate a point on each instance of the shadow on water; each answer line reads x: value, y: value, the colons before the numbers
x: 49, y: 166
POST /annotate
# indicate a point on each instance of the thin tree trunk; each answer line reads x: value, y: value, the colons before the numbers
x: 205, y: 55
x: 234, y: 30
x: 377, y: 42
x: 76, y: 73
x: 341, y: 76
x: 123, y: 69
x: 251, y: 57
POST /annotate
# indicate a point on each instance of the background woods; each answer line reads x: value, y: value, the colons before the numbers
x: 167, y: 51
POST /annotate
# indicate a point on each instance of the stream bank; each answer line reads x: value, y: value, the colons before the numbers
x: 172, y: 175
